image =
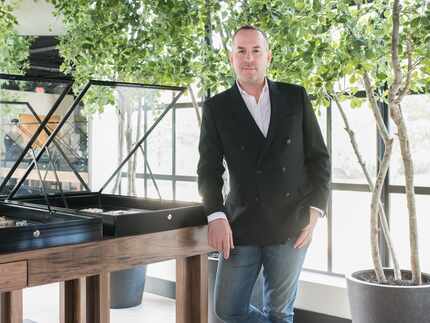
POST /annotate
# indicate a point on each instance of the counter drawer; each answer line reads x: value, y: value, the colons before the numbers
x: 13, y: 275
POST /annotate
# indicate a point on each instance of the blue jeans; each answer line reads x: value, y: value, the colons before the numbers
x: 236, y: 277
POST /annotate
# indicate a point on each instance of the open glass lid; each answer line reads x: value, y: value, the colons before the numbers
x: 99, y: 141
x: 27, y: 105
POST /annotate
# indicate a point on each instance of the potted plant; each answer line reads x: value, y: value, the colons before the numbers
x: 380, y: 294
x: 388, y: 294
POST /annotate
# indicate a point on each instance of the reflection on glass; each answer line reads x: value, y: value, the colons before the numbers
x: 416, y: 110
x: 400, y: 229
x: 24, y: 104
x: 118, y: 120
x: 165, y: 188
x: 120, y: 114
x: 187, y: 191
x: 159, y: 144
x: 346, y: 168
x: 351, y: 233
x: 187, y: 140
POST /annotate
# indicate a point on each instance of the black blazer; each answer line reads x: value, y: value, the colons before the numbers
x: 273, y: 180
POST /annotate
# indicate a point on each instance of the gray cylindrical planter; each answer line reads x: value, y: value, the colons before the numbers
x: 374, y: 303
x: 126, y: 287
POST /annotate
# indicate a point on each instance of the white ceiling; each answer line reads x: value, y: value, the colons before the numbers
x: 35, y: 18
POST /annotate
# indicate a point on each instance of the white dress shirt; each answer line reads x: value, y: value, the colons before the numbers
x: 260, y: 112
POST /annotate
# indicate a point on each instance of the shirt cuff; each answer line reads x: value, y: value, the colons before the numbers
x: 216, y: 215
x: 321, y: 212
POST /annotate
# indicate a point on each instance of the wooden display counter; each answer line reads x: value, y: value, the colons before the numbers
x: 83, y: 270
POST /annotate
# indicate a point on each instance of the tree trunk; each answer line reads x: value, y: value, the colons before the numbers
x: 395, y: 96
x: 376, y: 193
x: 376, y: 197
x: 382, y: 217
x: 129, y: 143
x: 397, y: 116
x: 195, y: 105
x: 121, y: 120
x: 139, y: 119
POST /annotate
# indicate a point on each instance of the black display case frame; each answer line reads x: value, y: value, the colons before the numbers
x: 144, y: 215
x: 38, y: 228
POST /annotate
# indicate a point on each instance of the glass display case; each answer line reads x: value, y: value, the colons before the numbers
x: 29, y: 112
x: 66, y: 171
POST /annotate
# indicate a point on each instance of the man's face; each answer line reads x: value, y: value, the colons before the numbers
x: 250, y: 57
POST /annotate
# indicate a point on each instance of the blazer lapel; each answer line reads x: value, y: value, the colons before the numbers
x: 242, y: 115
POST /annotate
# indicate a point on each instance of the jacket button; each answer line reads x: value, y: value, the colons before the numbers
x: 288, y: 194
x: 288, y: 141
x: 242, y: 147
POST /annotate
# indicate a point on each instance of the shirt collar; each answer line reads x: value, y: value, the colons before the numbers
x: 243, y: 92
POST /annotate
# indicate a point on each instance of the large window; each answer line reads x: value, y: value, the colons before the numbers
x: 345, y: 168
x: 341, y: 242
x: 399, y: 225
x: 316, y: 257
x: 351, y: 219
x: 187, y: 139
x: 159, y: 143
x: 349, y: 215
x: 416, y: 110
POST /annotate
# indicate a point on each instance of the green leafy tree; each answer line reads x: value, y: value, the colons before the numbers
x: 134, y: 41
x: 381, y: 45
x: 141, y: 41
x: 333, y: 48
x: 14, y: 49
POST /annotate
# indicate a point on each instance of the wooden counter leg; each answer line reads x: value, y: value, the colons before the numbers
x: 72, y: 301
x: 192, y: 289
x: 11, y: 307
x: 98, y: 298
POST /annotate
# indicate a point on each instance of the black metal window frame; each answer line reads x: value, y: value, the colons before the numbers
x: 335, y: 186
x: 173, y: 177
x: 387, y: 190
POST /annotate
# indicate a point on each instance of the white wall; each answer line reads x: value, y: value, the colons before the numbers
x: 36, y: 18
x: 164, y: 270
x: 41, y: 102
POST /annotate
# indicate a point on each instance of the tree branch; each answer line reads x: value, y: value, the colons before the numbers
x: 396, y: 114
x: 195, y: 105
x: 393, y: 94
x: 382, y: 216
x: 405, y: 88
x: 374, y: 105
x: 383, y: 169
x: 223, y: 37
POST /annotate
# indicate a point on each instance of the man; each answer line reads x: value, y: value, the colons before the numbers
x: 279, y: 173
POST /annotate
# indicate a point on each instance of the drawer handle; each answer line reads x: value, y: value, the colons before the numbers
x: 36, y: 234
x: 170, y: 217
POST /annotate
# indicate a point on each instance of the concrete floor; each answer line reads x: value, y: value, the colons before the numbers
x: 41, y: 305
